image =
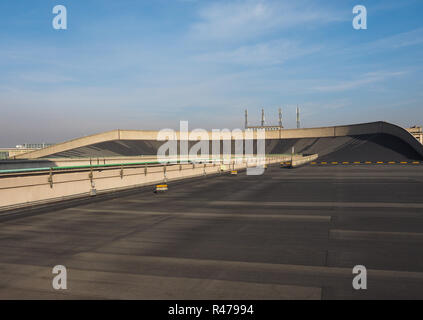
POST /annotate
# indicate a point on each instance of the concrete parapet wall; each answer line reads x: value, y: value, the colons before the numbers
x: 303, y: 160
x: 64, y: 162
x: 71, y: 144
x: 29, y: 189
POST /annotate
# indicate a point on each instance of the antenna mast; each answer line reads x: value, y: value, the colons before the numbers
x: 280, y: 118
x: 298, y: 117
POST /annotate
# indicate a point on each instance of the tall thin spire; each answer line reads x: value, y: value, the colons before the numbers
x: 280, y: 117
x: 262, y: 117
x: 298, y: 117
x: 246, y: 118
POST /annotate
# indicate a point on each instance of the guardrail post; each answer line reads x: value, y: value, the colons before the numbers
x: 93, y: 191
x: 145, y: 169
x: 50, y: 178
x: 164, y: 173
x: 121, y: 172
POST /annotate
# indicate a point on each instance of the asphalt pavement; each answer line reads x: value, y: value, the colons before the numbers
x: 288, y: 234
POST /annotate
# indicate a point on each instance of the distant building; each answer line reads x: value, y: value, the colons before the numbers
x: 416, y: 132
x: 33, y: 145
x: 9, y: 153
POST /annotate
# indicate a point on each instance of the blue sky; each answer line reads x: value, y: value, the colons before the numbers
x: 147, y: 64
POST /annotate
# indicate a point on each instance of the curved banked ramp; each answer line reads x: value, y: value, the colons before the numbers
x: 377, y: 147
x: 375, y: 141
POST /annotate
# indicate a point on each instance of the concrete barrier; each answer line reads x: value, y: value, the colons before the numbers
x: 64, y: 162
x: 24, y: 189
x: 304, y: 160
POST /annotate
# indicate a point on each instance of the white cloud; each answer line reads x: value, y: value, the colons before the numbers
x: 249, y: 18
x: 266, y: 53
x: 404, y: 39
x: 44, y: 78
x: 365, y: 79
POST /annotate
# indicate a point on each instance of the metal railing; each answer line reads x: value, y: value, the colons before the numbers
x: 28, y: 186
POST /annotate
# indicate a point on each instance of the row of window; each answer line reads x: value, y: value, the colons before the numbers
x: 4, y: 155
x: 33, y: 145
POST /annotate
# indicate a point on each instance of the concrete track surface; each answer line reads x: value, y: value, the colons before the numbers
x: 374, y: 141
x: 375, y: 147
x: 289, y: 234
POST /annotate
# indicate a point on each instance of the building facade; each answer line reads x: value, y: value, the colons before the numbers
x: 9, y: 153
x: 416, y: 132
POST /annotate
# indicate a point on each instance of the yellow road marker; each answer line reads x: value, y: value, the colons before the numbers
x: 379, y: 162
x: 368, y: 162
x: 314, y: 163
x: 345, y: 162
x: 357, y: 162
x: 234, y: 172
x: 416, y: 162
x: 324, y: 162
x: 403, y: 162
x: 334, y: 162
x: 391, y: 162
x: 284, y: 164
x: 161, y: 188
